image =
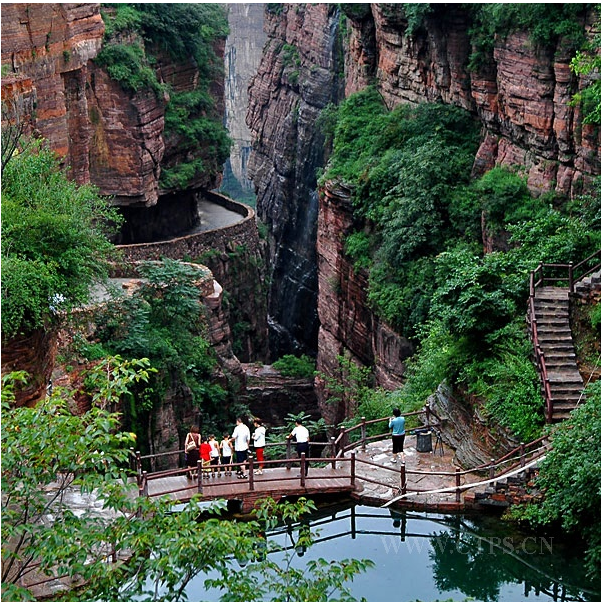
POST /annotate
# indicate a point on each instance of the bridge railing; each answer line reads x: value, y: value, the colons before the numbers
x: 346, y: 440
x: 345, y: 467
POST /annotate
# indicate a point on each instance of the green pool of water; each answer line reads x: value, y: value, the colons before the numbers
x: 427, y: 557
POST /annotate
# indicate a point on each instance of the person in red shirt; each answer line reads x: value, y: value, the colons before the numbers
x: 205, y: 453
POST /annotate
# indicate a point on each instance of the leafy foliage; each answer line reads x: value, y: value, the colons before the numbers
x: 546, y: 25
x: 570, y: 477
x: 54, y: 240
x: 128, y: 64
x: 162, y: 320
x: 318, y: 580
x: 296, y: 367
x: 586, y: 64
x: 50, y: 456
x: 186, y: 33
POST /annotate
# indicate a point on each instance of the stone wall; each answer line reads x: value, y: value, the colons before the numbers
x: 235, y: 256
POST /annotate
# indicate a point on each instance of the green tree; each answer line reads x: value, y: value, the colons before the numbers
x: 54, y: 240
x: 48, y: 454
x: 163, y: 320
x: 570, y: 478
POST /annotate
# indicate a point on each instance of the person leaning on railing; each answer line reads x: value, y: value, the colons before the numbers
x: 301, y: 435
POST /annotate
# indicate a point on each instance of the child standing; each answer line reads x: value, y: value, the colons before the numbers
x: 205, y: 452
x: 214, y: 456
x: 259, y: 443
x: 226, y: 447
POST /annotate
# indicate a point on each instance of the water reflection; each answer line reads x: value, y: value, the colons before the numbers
x: 428, y: 556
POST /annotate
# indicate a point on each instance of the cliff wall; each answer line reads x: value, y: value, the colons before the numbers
x: 295, y: 81
x: 108, y: 136
x: 244, y: 47
x: 520, y: 94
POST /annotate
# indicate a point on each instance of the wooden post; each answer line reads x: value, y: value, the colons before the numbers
x: 251, y: 483
x: 457, y: 485
x: 403, y: 481
x: 288, y: 453
x: 352, y: 468
x: 343, y: 437
x: 427, y: 411
x: 522, y: 455
x: 144, y: 484
x: 333, y: 452
x: 353, y: 525
x: 491, y: 468
x: 139, y: 469
x: 303, y: 469
x: 199, y: 475
x: 571, y: 281
x: 363, y: 431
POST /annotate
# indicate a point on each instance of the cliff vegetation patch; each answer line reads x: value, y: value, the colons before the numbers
x: 422, y: 224
x: 140, y: 39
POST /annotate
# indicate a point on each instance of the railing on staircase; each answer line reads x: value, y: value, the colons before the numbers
x: 554, y: 274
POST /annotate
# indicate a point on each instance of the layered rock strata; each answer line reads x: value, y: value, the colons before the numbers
x: 296, y: 79
x: 108, y: 136
x: 348, y: 328
x: 521, y: 93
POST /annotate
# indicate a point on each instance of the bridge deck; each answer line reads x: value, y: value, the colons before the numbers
x: 275, y: 482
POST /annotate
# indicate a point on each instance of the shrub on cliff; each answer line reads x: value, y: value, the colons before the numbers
x: 163, y: 321
x: 570, y: 478
x: 54, y: 240
x: 197, y: 142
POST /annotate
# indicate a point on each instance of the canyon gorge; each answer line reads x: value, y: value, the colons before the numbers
x: 290, y: 286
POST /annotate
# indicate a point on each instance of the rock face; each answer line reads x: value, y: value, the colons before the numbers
x: 348, y: 328
x: 295, y: 81
x: 244, y: 47
x: 520, y: 93
x: 109, y: 137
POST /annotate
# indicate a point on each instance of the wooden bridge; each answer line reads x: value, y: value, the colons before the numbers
x: 348, y: 470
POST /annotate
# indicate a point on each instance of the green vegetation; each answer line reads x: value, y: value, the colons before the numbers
x: 47, y: 448
x: 570, y: 477
x: 185, y: 33
x: 162, y: 321
x: 128, y: 64
x: 54, y: 240
x: 296, y: 367
x: 586, y: 63
x: 418, y: 234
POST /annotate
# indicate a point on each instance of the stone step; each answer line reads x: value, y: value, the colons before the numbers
x: 552, y: 292
x: 551, y: 320
x: 560, y: 330
x: 548, y: 340
x: 557, y: 347
x: 550, y: 305
x: 564, y: 406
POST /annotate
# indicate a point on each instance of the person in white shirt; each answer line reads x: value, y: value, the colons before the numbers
x: 226, y: 449
x: 214, y: 456
x: 301, y: 435
x: 259, y: 443
x: 241, y: 437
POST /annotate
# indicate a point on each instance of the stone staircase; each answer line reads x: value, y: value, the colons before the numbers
x: 556, y: 342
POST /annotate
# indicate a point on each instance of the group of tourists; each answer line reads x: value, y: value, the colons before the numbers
x: 217, y: 457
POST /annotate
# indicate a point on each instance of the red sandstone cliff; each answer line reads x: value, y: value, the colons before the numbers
x: 520, y: 95
x: 108, y: 136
